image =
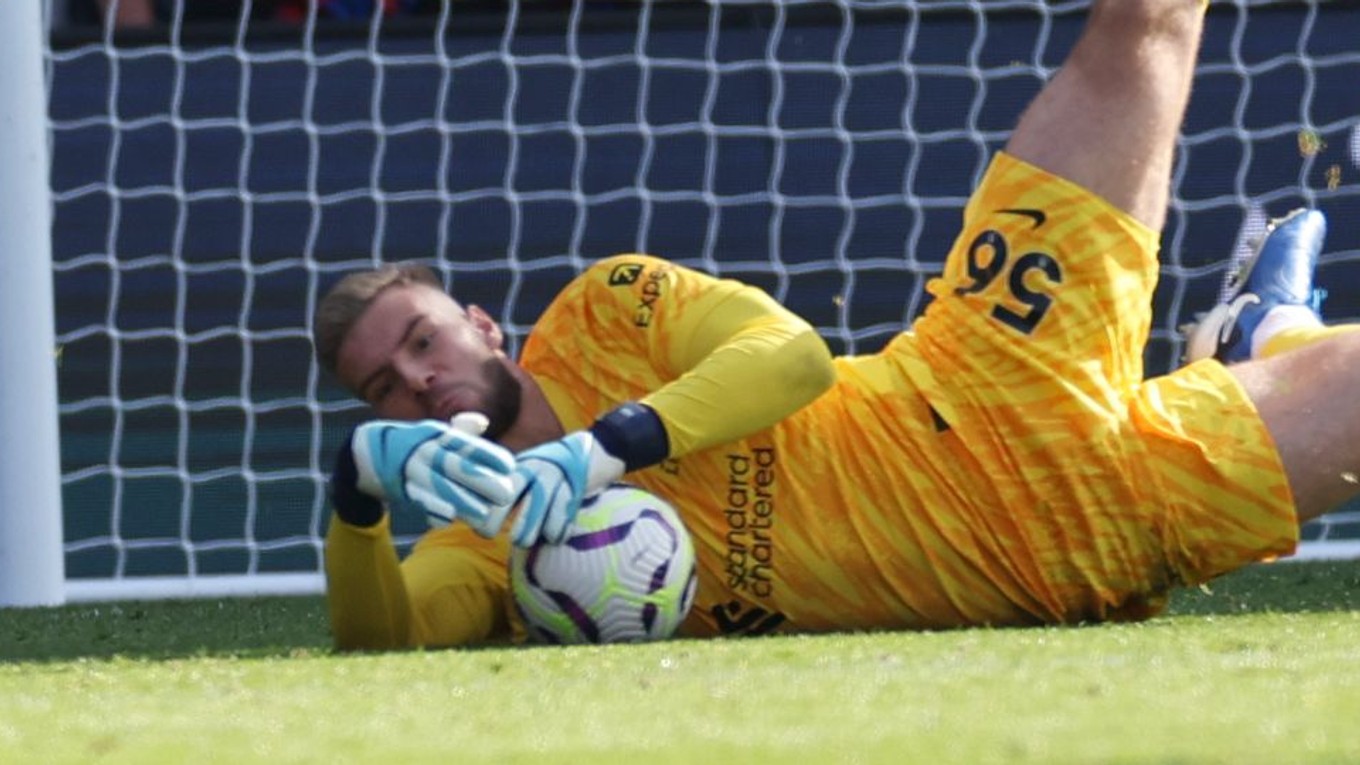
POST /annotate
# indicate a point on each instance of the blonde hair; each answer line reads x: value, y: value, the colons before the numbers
x: 345, y: 302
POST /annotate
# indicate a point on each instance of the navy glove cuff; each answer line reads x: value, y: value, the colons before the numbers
x: 633, y: 433
x: 351, y: 505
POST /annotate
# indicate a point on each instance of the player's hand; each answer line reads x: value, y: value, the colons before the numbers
x: 445, y: 472
x: 553, y: 479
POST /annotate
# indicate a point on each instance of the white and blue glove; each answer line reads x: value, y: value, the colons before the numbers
x: 448, y: 472
x: 445, y: 472
x: 553, y: 479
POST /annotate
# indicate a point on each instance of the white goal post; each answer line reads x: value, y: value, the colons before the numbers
x: 31, y: 567
x: 211, y: 177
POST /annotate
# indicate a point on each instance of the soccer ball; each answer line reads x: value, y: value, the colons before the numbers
x: 625, y: 573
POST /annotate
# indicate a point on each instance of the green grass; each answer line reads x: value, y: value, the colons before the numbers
x: 1264, y: 667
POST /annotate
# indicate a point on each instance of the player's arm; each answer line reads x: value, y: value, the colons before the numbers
x: 365, y: 594
x: 450, y: 590
x: 376, y: 603
x: 743, y: 361
x: 734, y: 360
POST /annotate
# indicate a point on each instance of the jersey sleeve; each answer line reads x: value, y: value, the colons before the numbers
x: 365, y: 595
x: 731, y: 359
x: 459, y: 589
x: 451, y: 590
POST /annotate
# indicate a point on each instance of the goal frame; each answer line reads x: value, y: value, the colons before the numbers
x: 32, y: 572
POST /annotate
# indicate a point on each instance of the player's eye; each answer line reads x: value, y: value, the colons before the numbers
x: 424, y: 340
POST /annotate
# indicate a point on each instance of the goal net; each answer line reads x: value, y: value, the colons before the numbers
x: 212, y: 176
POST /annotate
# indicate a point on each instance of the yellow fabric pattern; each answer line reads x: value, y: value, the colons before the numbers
x: 713, y: 344
x: 914, y: 493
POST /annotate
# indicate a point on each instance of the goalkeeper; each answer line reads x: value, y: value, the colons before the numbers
x: 1003, y: 463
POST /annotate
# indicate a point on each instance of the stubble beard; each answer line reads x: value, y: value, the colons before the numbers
x: 504, y: 394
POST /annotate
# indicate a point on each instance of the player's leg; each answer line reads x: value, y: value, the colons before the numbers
x: 1109, y: 119
x: 1306, y: 398
x: 1301, y: 335
x: 1271, y: 306
x: 1240, y: 474
x: 1074, y: 222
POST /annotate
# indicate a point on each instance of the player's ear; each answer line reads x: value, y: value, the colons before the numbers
x: 486, y: 327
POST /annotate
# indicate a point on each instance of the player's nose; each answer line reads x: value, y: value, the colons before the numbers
x: 417, y: 377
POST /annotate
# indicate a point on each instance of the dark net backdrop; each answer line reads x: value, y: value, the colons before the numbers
x: 207, y: 193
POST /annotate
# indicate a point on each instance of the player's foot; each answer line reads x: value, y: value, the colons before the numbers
x: 1279, y: 272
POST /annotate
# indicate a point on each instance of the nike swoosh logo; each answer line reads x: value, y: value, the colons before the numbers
x: 1037, y: 216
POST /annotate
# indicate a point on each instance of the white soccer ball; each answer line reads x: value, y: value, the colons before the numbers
x: 625, y: 573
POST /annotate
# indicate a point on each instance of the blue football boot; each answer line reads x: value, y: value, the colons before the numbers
x: 1279, y: 272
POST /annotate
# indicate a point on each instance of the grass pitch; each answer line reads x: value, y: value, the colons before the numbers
x: 1263, y: 667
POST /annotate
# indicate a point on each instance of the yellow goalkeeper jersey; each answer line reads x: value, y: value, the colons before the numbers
x: 1003, y: 464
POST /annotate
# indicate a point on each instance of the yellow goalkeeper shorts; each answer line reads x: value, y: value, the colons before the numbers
x: 1113, y: 488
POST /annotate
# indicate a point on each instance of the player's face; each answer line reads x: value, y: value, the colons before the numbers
x: 416, y: 354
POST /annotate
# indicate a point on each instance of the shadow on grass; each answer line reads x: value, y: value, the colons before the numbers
x: 1313, y: 586
x: 297, y: 626
x: 157, y: 630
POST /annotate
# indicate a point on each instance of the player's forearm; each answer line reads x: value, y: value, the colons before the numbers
x: 769, y: 370
x: 735, y: 360
x: 367, y: 600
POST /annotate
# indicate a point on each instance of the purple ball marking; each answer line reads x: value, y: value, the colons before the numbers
x: 531, y: 567
x: 655, y: 515
x: 576, y: 614
x: 691, y: 585
x: 659, y: 577
x: 594, y: 540
x: 649, y: 617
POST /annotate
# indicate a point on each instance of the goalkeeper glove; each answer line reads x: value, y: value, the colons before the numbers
x: 554, y: 478
x: 444, y: 472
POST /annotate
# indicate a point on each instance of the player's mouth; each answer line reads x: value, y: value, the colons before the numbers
x: 453, y: 401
